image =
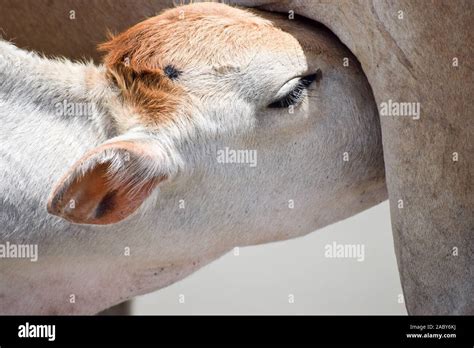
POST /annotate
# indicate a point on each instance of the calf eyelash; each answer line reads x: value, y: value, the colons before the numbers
x: 295, y: 95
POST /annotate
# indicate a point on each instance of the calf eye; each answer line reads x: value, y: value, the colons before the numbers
x: 295, y: 95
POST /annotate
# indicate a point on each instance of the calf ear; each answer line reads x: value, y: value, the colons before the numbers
x: 108, y: 184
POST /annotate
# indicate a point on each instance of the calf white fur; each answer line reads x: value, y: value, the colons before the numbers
x: 136, y: 195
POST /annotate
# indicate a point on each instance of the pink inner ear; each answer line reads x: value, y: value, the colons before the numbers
x: 95, y: 198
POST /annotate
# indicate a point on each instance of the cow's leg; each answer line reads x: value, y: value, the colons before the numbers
x: 411, y: 52
x: 124, y: 308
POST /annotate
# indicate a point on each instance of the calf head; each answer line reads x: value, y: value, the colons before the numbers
x: 263, y: 129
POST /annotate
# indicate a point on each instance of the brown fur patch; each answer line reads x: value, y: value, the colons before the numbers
x: 150, y: 91
x: 185, y: 37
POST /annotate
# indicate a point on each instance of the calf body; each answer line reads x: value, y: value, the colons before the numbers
x: 141, y: 197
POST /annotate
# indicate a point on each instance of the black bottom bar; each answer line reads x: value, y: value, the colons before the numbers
x: 152, y: 330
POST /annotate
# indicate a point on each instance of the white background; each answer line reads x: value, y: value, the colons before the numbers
x: 261, y: 278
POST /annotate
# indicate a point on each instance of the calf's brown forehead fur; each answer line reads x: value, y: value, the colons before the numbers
x: 195, y: 34
x: 212, y: 35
